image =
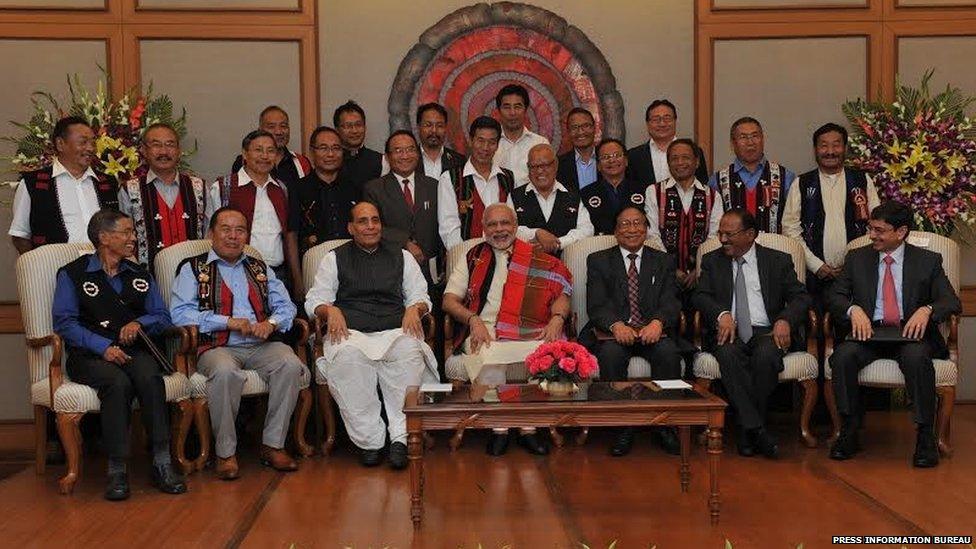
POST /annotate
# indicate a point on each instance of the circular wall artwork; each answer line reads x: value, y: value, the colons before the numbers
x: 462, y: 61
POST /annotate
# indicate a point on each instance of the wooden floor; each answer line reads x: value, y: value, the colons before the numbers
x: 578, y: 494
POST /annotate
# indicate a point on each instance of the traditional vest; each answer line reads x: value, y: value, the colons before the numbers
x: 370, y: 292
x: 100, y: 309
x: 157, y: 225
x: 682, y: 232
x: 603, y: 208
x: 46, y: 222
x: 214, y: 295
x: 243, y: 197
x: 302, y: 164
x: 471, y: 207
x: 770, y: 198
x: 565, y: 210
x: 812, y: 211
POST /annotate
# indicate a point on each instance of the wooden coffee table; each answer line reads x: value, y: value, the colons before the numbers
x: 598, y: 404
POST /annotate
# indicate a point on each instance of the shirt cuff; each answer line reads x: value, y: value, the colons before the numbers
x: 719, y: 317
x: 99, y: 344
x: 214, y: 323
x: 849, y: 309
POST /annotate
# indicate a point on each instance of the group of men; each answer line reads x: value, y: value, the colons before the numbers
x: 404, y: 208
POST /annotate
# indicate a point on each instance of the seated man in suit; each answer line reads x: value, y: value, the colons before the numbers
x: 511, y: 297
x: 577, y: 168
x: 241, y: 310
x: 890, y: 283
x: 371, y: 296
x: 752, y: 307
x: 641, y: 321
x: 550, y: 216
x: 101, y: 303
x: 612, y: 191
x: 407, y: 202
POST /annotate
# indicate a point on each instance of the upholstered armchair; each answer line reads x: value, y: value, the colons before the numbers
x: 799, y: 366
x: 51, y: 388
x: 885, y: 372
x: 167, y: 262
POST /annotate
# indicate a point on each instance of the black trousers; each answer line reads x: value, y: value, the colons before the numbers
x: 117, y: 385
x: 750, y: 372
x: 914, y: 361
x: 664, y: 358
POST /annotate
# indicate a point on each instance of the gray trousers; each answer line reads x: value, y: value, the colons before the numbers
x: 277, y: 366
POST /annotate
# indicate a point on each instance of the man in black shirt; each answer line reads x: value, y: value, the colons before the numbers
x: 359, y: 163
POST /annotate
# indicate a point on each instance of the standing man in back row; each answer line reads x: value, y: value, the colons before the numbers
x: 512, y: 103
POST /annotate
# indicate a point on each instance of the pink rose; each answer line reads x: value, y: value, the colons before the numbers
x: 568, y: 364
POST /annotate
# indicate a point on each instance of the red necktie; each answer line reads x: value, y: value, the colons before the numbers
x: 888, y: 295
x: 407, y: 195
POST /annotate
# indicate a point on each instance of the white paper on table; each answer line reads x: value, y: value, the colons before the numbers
x: 436, y: 388
x: 672, y: 384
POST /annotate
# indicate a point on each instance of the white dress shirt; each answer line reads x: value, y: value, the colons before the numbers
x: 651, y: 208
x: 77, y: 200
x: 757, y: 306
x: 514, y: 155
x: 659, y: 159
x: 637, y: 261
x: 448, y: 219
x: 432, y: 166
x: 584, y: 227
x: 457, y: 284
x: 833, y: 194
x: 266, y: 234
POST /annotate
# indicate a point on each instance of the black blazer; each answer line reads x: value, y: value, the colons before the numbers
x: 785, y: 298
x: 566, y: 172
x: 641, y: 168
x: 450, y: 159
x: 399, y: 223
x: 606, y: 289
x: 924, y: 282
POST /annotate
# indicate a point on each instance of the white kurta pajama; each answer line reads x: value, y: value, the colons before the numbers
x: 390, y: 358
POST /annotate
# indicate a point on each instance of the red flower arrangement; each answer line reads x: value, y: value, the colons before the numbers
x: 561, y: 361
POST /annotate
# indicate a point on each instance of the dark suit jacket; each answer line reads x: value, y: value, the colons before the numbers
x: 450, y: 159
x: 785, y: 298
x: 641, y: 168
x: 924, y: 282
x: 606, y: 289
x: 399, y: 223
x: 566, y: 172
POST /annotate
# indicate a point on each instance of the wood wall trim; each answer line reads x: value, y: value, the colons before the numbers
x: 708, y: 14
x: 110, y: 13
x: 895, y: 11
x: 304, y: 15
x: 10, y: 320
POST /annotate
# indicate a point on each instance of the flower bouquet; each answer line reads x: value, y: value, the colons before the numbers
x: 559, y: 365
x: 921, y: 151
x: 118, y: 126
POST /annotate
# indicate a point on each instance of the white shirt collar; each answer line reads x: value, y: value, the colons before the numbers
x: 525, y: 135
x: 652, y: 145
x: 469, y: 169
x: 243, y: 178
x: 436, y: 158
x: 898, y: 253
x: 750, y: 256
x: 670, y: 182
x: 557, y: 187
x: 57, y: 168
x: 400, y: 178
x: 625, y: 252
x: 151, y: 177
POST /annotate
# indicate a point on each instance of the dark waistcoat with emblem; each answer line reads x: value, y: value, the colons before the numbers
x: 370, y: 293
x: 46, y: 221
x: 565, y: 210
x: 604, y: 204
x: 812, y: 213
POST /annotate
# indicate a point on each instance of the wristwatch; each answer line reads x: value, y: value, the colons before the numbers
x: 273, y: 322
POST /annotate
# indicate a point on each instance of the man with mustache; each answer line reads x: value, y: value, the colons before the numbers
x: 752, y: 182
x: 101, y: 302
x: 497, y: 296
x: 578, y: 167
x: 826, y: 208
x: 242, y: 311
x: 289, y: 166
x: 53, y: 204
x: 167, y: 207
x: 435, y: 157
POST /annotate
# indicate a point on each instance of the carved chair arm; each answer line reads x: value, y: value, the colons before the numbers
x: 54, y: 373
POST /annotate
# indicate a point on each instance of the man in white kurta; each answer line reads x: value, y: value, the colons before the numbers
x: 371, y: 298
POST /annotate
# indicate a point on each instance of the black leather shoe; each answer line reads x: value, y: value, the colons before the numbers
x: 926, y: 451
x: 398, y: 456
x: 743, y: 443
x: 118, y: 487
x: 764, y: 443
x: 625, y: 441
x: 668, y: 439
x: 370, y: 458
x: 533, y: 444
x: 846, y: 445
x: 497, y: 444
x: 167, y: 480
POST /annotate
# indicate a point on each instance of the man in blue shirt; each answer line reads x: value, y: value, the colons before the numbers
x: 577, y: 168
x: 101, y: 303
x: 242, y: 310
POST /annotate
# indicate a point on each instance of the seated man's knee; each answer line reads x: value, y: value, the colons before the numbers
x: 915, y: 352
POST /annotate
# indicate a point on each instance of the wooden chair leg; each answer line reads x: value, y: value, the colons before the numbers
x: 328, y: 418
x: 201, y: 418
x: 182, y: 417
x: 706, y: 384
x: 947, y: 400
x: 809, y: 387
x: 40, y: 439
x: 70, y: 434
x: 301, y: 420
x: 832, y: 408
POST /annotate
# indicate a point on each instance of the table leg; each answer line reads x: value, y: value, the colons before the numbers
x: 714, y: 451
x: 684, y: 436
x: 415, y: 453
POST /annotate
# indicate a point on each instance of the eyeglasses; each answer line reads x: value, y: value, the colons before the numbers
x: 580, y: 127
x: 404, y: 150
x: 327, y: 148
x: 666, y: 119
x: 724, y: 235
x: 162, y: 145
x: 611, y: 156
x: 748, y: 137
x: 352, y: 125
x: 432, y: 125
x: 544, y: 166
x: 636, y: 223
